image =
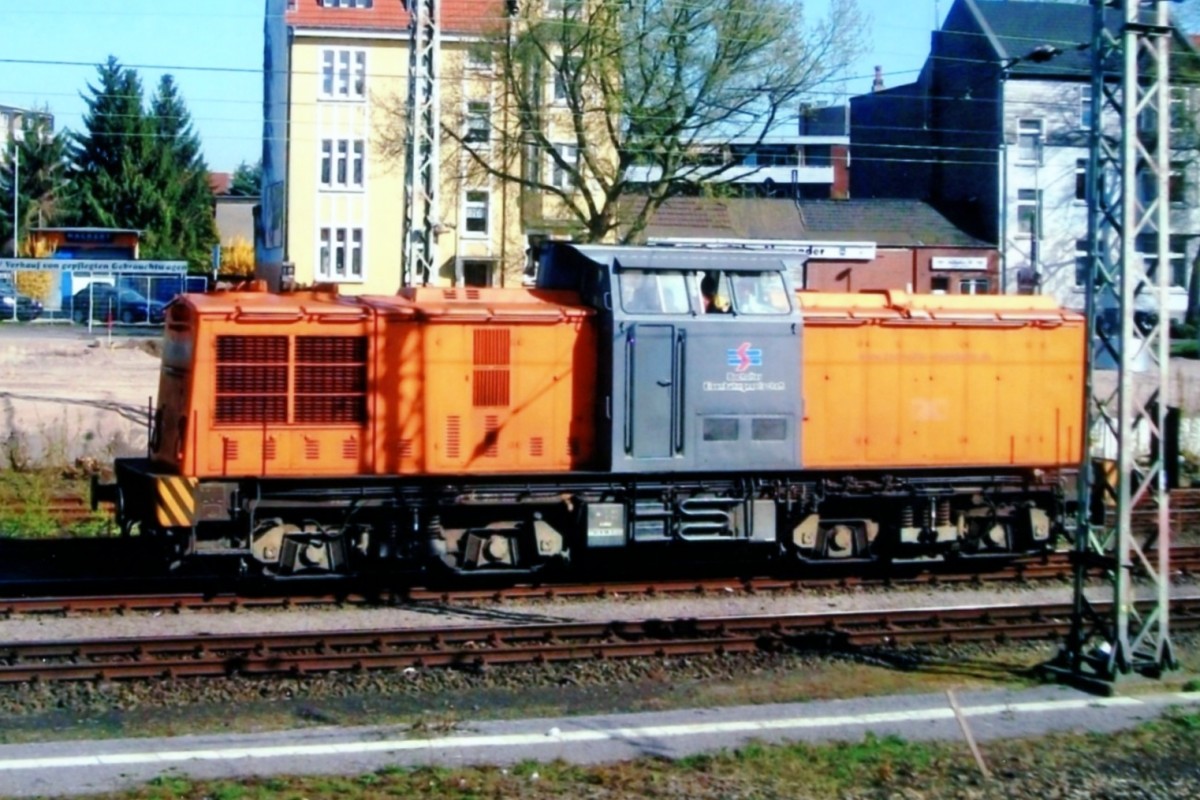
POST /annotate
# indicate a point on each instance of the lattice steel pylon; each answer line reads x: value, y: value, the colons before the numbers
x: 421, y: 139
x: 1128, y: 328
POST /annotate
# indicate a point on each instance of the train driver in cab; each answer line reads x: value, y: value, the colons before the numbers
x: 714, y: 301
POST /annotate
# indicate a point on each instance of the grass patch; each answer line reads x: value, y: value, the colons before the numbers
x: 1159, y: 754
x: 28, y: 501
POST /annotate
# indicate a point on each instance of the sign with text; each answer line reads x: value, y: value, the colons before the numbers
x: 94, y: 265
x: 964, y: 263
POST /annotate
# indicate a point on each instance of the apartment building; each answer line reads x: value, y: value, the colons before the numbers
x: 13, y: 119
x: 994, y: 133
x: 334, y: 151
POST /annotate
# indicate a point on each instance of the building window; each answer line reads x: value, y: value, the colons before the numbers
x: 326, y: 249
x: 939, y: 284
x: 1179, y: 110
x: 347, y: 3
x: 340, y: 254
x: 1081, y: 179
x: 477, y: 273
x: 973, y: 286
x: 559, y: 8
x: 477, y: 212
x: 1147, y: 246
x: 479, y: 125
x: 343, y: 74
x: 1029, y: 213
x: 560, y: 177
x: 1085, y: 107
x: 1083, y: 262
x: 533, y: 164
x: 342, y: 163
x: 566, y: 73
x: 1029, y: 141
x: 1176, y: 187
x: 356, y: 252
x: 479, y: 56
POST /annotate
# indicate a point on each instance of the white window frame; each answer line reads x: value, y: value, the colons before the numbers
x: 471, y: 208
x: 473, y: 60
x: 342, y: 165
x: 1177, y: 256
x: 1034, y: 130
x: 559, y: 177
x: 477, y: 123
x: 343, y: 74
x: 1030, y: 198
x: 347, y: 3
x: 1082, y: 264
x: 559, y: 93
x: 344, y: 244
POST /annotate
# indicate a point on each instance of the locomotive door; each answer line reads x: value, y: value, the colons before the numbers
x: 653, y: 390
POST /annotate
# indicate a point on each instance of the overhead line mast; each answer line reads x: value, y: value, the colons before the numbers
x: 423, y: 123
x: 1128, y: 324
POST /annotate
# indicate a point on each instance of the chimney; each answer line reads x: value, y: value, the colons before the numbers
x: 877, y: 85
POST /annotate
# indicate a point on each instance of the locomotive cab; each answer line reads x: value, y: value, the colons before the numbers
x: 700, y: 355
x: 700, y: 380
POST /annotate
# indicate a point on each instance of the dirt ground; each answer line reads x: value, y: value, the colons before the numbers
x: 67, y: 394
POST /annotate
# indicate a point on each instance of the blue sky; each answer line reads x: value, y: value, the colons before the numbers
x: 214, y: 50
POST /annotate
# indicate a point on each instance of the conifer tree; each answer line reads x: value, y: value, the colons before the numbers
x: 142, y: 168
x: 111, y: 187
x: 188, y: 227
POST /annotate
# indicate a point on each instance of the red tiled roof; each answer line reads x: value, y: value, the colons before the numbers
x: 220, y: 182
x: 458, y: 16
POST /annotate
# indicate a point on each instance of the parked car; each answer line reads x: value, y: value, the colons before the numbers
x: 26, y: 307
x: 105, y: 303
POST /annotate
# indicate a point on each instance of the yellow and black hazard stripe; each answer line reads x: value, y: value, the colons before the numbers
x: 175, y: 505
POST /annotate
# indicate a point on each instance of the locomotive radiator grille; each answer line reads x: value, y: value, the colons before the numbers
x: 252, y: 380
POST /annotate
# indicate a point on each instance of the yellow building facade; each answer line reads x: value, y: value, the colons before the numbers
x: 334, y: 151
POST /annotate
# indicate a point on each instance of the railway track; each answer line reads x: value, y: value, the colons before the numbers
x: 1053, y: 566
x: 477, y: 647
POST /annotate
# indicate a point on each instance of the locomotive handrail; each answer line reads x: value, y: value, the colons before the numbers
x: 265, y: 316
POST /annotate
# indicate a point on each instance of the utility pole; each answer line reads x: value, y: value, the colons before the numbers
x: 421, y: 177
x: 16, y: 214
x: 1129, y: 635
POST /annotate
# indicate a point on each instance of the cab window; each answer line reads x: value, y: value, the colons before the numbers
x: 653, y: 292
x: 760, y: 293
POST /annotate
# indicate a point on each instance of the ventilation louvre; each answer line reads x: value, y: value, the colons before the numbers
x: 537, y: 447
x: 252, y: 380
x: 350, y: 449
x: 312, y: 449
x: 406, y: 448
x: 491, y: 436
x: 270, y: 450
x: 490, y: 388
x: 453, y: 437
x: 229, y: 449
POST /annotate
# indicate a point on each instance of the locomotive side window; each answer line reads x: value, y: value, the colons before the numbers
x: 646, y: 292
x: 760, y: 293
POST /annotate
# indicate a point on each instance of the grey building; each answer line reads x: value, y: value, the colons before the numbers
x: 994, y: 134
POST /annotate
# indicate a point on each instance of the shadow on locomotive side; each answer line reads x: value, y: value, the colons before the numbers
x: 638, y: 406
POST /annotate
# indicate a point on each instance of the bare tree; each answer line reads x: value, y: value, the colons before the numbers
x: 585, y: 90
